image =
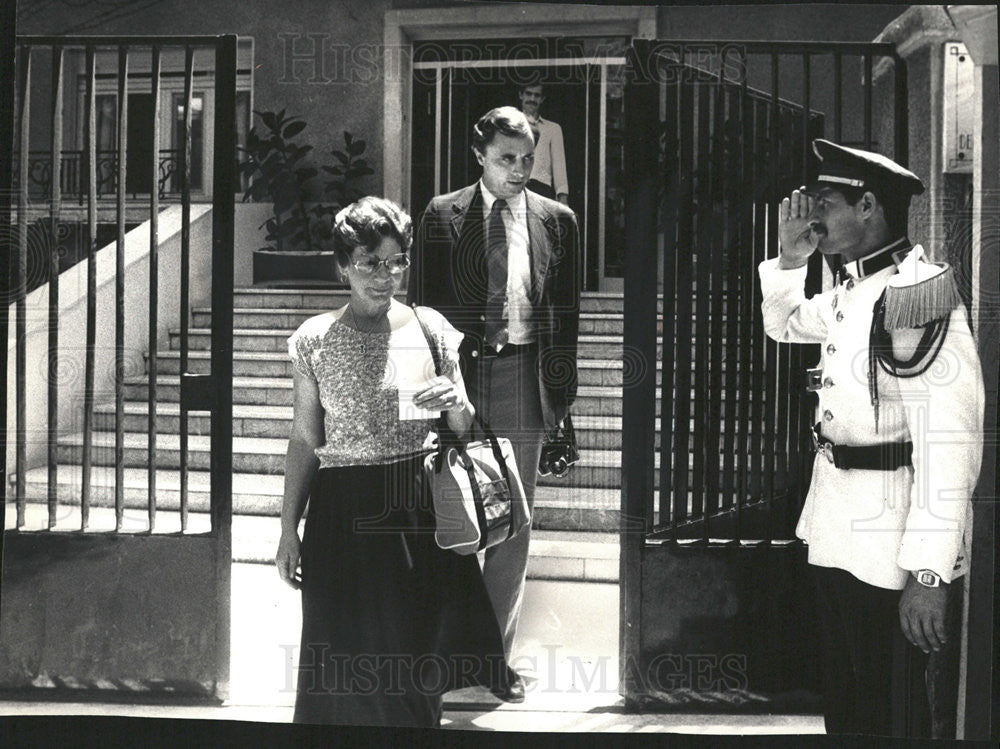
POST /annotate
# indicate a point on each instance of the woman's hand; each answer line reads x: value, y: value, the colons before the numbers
x: 287, y: 559
x: 441, y: 395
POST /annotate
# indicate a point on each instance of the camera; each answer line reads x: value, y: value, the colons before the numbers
x: 559, y: 451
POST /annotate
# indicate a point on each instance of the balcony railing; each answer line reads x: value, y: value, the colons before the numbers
x: 72, y: 176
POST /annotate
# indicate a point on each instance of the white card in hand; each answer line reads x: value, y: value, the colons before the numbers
x: 410, y: 411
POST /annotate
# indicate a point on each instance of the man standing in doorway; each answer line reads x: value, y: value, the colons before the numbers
x: 549, y: 175
x: 899, y: 441
x: 501, y: 263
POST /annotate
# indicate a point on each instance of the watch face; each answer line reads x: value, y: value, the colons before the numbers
x: 928, y: 578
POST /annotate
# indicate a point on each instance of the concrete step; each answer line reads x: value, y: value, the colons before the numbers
x: 592, y: 432
x: 558, y: 505
x: 259, y: 298
x: 597, y: 468
x: 277, y: 391
x: 281, y: 318
x: 248, y: 421
x: 591, y: 346
x: 600, y: 372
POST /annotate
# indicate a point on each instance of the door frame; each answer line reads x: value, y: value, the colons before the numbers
x: 598, y: 63
x: 404, y: 27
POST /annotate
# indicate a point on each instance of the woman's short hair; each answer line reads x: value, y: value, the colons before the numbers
x: 366, y: 222
x: 507, y: 121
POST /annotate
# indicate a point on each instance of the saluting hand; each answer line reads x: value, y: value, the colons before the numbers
x: 794, y: 235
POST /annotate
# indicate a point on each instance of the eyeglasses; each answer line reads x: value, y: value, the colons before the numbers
x: 395, y: 264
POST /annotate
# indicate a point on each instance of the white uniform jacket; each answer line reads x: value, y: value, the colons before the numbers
x: 877, y: 525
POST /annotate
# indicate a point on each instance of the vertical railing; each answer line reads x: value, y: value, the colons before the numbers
x: 715, y: 236
x: 91, y: 334
x: 120, y: 288
x: 734, y: 461
x: 682, y: 358
x: 638, y: 417
x: 671, y: 253
x: 55, y: 220
x: 185, y: 270
x: 21, y: 278
x: 209, y: 393
x: 8, y: 89
x: 154, y: 264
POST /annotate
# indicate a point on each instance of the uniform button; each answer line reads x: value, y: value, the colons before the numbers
x: 850, y: 284
x: 475, y: 354
x: 831, y: 349
x: 840, y: 316
x: 828, y: 415
x: 828, y: 382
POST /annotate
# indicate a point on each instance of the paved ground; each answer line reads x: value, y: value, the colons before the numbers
x: 569, y: 647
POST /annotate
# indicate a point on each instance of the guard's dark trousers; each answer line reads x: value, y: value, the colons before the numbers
x: 875, y: 682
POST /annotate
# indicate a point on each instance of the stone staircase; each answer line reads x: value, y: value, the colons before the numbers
x: 576, y: 518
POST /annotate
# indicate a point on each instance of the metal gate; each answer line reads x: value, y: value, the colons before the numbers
x: 116, y: 568
x: 715, y: 611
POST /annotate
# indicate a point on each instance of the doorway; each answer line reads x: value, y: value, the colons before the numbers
x: 454, y: 84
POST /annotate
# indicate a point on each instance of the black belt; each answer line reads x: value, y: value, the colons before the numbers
x: 887, y: 456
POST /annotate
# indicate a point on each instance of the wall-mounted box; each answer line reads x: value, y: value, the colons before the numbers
x: 958, y: 109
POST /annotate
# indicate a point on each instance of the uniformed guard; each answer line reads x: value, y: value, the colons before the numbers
x: 888, y: 516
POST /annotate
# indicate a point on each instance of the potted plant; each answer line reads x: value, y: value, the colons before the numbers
x: 299, y: 231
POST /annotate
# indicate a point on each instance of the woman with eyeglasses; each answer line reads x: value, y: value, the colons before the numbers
x: 389, y: 620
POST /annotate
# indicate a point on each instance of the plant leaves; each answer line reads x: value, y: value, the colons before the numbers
x: 269, y: 119
x: 356, y: 148
x: 293, y: 129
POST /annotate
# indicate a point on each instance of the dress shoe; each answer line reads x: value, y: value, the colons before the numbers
x: 512, y: 690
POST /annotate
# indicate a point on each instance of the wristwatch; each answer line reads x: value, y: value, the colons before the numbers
x: 927, y: 578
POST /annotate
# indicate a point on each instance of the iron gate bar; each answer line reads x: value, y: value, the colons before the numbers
x: 638, y: 419
x: 671, y: 192
x: 775, y: 463
x: 120, y: 289
x: 53, y: 258
x: 748, y: 171
x: 154, y: 248
x: 799, y: 412
x: 185, y: 271
x: 761, y: 399
x: 21, y: 283
x: 8, y: 91
x: 838, y: 94
x: 900, y: 114
x: 868, y: 102
x: 224, y: 184
x: 91, y: 335
x: 716, y: 190
x: 731, y: 370
x: 697, y: 251
x: 685, y: 224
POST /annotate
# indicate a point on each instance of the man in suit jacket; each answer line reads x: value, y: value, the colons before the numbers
x: 501, y: 263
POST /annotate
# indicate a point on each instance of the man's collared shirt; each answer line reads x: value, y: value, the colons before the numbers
x: 550, y: 156
x: 517, y: 308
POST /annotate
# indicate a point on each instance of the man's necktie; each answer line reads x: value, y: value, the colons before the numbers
x: 496, y: 261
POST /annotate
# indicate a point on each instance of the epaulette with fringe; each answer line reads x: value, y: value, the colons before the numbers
x: 920, y: 292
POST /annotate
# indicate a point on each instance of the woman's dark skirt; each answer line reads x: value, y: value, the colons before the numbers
x: 390, y: 622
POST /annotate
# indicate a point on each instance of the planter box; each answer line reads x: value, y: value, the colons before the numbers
x: 296, y: 268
